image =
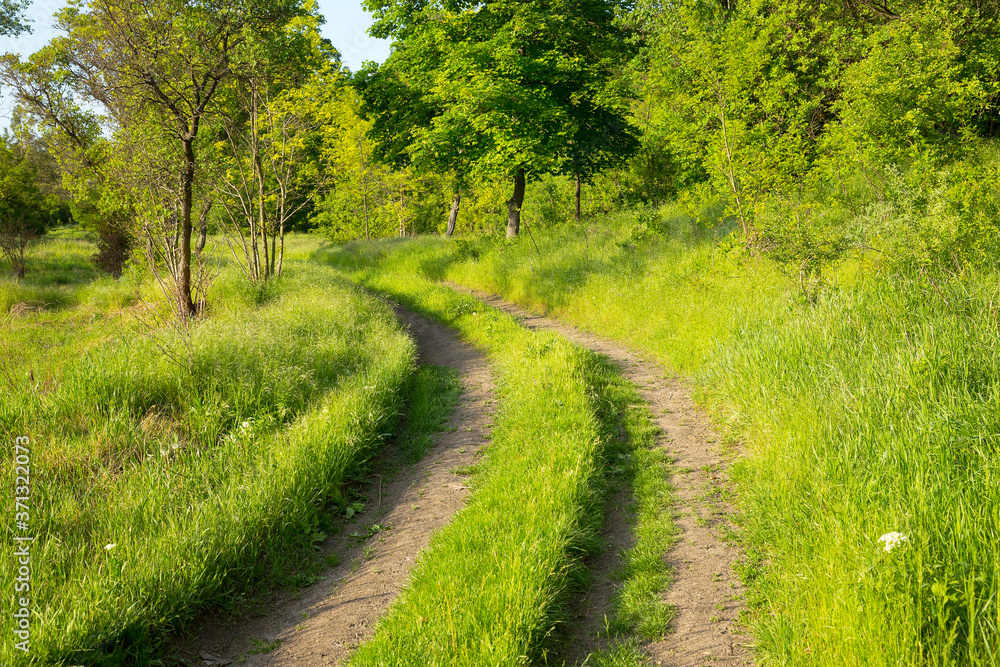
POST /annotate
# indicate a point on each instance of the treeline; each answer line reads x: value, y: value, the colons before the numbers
x: 821, y: 126
x: 829, y: 125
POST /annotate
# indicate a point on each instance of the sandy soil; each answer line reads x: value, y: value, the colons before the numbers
x: 321, y: 624
x: 707, y: 594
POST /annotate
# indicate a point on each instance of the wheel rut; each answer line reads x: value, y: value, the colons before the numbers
x: 322, y: 624
x: 706, y: 593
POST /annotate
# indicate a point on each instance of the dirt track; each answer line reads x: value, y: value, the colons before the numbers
x: 707, y: 594
x: 321, y: 624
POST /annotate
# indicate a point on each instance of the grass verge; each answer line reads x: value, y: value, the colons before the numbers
x: 183, y: 469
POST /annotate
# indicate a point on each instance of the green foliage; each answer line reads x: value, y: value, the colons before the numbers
x: 936, y: 219
x: 11, y: 21
x: 501, y: 90
x: 367, y: 199
x: 805, y: 239
x: 779, y: 103
x: 23, y: 215
x: 927, y: 83
x: 477, y: 74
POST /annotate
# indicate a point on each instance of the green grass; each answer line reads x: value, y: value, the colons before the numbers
x: 190, y: 466
x: 492, y: 584
x: 874, y: 410
x: 434, y: 391
x: 495, y: 585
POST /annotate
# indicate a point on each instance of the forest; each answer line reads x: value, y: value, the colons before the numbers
x: 730, y: 268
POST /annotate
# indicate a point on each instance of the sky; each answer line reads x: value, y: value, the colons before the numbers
x: 346, y: 27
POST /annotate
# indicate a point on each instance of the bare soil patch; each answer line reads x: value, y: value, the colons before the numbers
x: 321, y: 624
x: 596, y: 607
x: 706, y: 593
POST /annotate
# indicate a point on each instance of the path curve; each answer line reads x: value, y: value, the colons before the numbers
x: 320, y: 625
x: 706, y: 592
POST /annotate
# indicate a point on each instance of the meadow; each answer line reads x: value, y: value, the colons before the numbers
x: 183, y: 468
x: 871, y: 411
x: 177, y: 468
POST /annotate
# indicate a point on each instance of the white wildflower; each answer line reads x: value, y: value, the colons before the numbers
x: 109, y: 547
x: 893, y: 540
x: 246, y: 424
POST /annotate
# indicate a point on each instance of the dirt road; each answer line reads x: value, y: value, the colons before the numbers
x: 707, y: 594
x: 320, y: 625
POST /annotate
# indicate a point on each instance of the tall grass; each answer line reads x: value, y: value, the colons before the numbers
x: 183, y: 468
x: 874, y: 410
x: 492, y: 588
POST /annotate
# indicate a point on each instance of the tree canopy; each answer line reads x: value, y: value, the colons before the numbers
x: 508, y: 89
x: 11, y: 18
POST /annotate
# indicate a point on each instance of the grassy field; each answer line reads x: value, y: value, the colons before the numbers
x: 179, y: 467
x: 873, y: 411
x: 496, y: 585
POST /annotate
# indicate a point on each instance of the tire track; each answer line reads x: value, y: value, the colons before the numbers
x: 321, y: 624
x: 707, y: 594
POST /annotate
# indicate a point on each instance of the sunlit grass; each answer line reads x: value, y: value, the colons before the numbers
x: 496, y: 585
x: 187, y: 465
x: 874, y: 410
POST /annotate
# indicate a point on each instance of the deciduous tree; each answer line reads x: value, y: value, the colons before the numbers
x: 155, y: 70
x: 502, y: 89
x: 23, y: 218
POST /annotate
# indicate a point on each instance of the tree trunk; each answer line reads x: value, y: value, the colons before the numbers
x: 402, y: 216
x: 368, y: 236
x: 576, y: 215
x: 453, y: 216
x: 258, y: 172
x: 281, y: 248
x: 17, y: 263
x: 203, y: 231
x: 514, y: 206
x: 185, y: 304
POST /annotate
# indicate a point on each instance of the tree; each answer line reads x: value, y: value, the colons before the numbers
x: 155, y: 69
x: 11, y: 21
x: 23, y: 218
x: 271, y: 167
x: 501, y: 89
x: 367, y: 199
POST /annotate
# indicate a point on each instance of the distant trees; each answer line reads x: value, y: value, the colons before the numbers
x: 23, y: 215
x: 507, y: 89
